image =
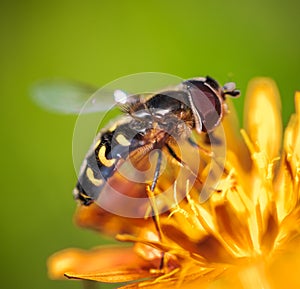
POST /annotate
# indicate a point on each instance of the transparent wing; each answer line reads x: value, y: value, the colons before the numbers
x: 71, y: 97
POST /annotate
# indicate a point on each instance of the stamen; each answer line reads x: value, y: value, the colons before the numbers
x: 160, y: 278
x: 248, y: 142
x: 270, y: 170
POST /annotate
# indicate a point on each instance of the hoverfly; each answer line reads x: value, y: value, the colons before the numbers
x: 151, y: 122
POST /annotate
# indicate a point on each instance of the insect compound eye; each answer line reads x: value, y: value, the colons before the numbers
x: 205, y: 102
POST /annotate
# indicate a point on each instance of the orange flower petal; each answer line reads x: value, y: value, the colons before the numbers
x: 292, y: 135
x: 94, y: 217
x: 96, y: 260
x: 113, y: 276
x: 194, y: 277
x: 234, y: 140
x: 297, y: 127
x: 263, y: 116
x: 288, y: 180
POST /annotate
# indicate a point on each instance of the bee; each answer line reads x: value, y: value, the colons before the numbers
x: 126, y: 160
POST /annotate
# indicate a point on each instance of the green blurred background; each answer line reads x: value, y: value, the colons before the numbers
x: 97, y: 42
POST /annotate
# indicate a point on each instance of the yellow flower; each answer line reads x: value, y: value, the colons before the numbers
x: 246, y: 235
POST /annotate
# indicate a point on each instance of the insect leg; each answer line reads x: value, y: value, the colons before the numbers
x: 157, y: 170
x: 155, y: 213
x: 181, y: 162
